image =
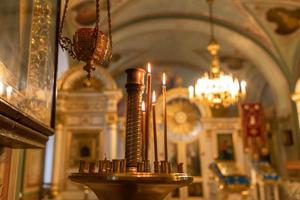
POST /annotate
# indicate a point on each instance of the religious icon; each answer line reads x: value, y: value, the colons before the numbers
x: 225, y: 147
x: 83, y: 147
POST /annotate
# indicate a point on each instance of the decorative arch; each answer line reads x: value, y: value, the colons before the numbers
x: 75, y: 75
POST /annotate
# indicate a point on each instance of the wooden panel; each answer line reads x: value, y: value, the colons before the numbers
x: 16, y: 135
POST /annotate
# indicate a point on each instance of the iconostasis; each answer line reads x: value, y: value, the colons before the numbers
x: 197, y: 139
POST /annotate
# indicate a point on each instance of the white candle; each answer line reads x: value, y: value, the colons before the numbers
x: 164, y: 91
x: 148, y: 110
x: 1, y: 88
x: 143, y: 130
x: 8, y: 92
x: 154, y: 126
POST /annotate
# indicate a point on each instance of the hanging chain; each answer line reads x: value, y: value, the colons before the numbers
x: 65, y: 42
x: 109, y: 24
x: 210, y: 2
x: 63, y: 18
x: 213, y: 47
x: 96, y: 30
x: 97, y: 14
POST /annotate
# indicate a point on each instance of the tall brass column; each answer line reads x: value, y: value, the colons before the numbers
x: 135, y: 87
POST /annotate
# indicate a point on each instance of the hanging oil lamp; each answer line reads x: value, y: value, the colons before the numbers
x: 89, y: 45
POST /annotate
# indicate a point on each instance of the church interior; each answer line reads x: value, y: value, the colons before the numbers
x: 150, y: 100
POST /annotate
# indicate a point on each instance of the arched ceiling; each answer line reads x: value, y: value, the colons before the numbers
x: 174, y: 34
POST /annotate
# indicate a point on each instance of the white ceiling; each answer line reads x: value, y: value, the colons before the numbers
x: 173, y: 34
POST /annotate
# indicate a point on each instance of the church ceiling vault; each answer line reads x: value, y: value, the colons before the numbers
x: 167, y: 32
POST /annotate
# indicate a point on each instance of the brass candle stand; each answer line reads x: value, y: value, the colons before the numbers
x: 131, y: 178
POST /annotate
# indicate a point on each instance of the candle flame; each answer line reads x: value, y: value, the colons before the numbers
x: 149, y: 68
x: 153, y: 97
x: 143, y: 106
x: 164, y: 79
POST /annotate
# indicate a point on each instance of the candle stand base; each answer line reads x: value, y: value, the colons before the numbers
x: 132, y: 185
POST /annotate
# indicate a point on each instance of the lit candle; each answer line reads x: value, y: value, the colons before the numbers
x: 8, y: 92
x: 1, y: 88
x: 154, y: 126
x: 148, y: 110
x: 191, y: 92
x: 164, y: 91
x: 143, y: 129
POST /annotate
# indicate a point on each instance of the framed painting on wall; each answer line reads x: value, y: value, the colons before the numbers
x: 225, y: 147
x: 84, y: 146
x: 28, y: 62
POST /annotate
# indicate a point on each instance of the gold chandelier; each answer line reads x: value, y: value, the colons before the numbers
x: 215, y: 88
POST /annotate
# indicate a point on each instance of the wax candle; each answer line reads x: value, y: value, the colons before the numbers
x: 154, y: 126
x: 143, y: 130
x: 148, y: 110
x: 164, y: 91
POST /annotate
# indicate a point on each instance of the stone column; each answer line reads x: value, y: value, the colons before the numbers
x: 110, y: 136
x: 58, y: 159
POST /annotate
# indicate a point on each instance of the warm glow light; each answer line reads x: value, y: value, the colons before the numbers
x: 1, y: 88
x: 243, y: 86
x: 191, y: 92
x: 153, y: 97
x: 164, y: 79
x: 8, y: 91
x: 143, y: 106
x: 149, y: 68
x: 221, y: 90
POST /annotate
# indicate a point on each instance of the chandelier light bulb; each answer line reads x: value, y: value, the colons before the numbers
x: 243, y: 86
x: 191, y: 92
